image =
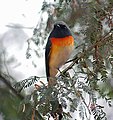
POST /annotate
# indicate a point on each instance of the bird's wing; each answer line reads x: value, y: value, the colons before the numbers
x: 47, y: 54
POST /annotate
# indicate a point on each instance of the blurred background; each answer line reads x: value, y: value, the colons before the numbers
x: 18, y: 19
x: 24, y: 28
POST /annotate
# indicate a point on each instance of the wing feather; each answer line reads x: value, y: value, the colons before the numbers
x: 47, y: 54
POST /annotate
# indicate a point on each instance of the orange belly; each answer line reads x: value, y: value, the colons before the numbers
x: 61, y: 50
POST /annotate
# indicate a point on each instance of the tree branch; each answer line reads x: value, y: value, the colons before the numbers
x: 102, y: 41
x: 7, y: 83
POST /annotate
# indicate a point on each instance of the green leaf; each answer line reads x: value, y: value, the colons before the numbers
x: 54, y: 104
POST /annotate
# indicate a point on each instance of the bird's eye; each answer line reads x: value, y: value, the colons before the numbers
x: 63, y: 26
x: 58, y: 25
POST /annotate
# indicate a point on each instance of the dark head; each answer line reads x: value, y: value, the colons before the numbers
x: 60, y: 30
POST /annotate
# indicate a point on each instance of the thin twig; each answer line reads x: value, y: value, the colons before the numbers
x: 4, y: 80
x: 102, y: 41
x: 6, y: 66
x: 33, y: 115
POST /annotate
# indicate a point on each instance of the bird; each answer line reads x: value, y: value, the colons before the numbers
x: 59, y: 47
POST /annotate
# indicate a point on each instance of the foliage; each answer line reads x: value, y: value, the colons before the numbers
x: 93, y: 53
x: 91, y: 76
x: 10, y: 104
x: 88, y: 75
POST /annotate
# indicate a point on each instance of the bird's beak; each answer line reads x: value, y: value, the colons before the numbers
x: 58, y: 25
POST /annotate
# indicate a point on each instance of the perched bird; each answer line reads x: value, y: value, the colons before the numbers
x: 59, y: 47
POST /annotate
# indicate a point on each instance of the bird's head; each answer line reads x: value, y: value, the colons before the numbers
x: 60, y: 30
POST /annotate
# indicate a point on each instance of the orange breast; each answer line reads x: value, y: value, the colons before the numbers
x: 66, y: 41
x: 60, y: 51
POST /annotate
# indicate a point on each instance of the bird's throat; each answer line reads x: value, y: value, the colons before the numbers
x: 66, y: 41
